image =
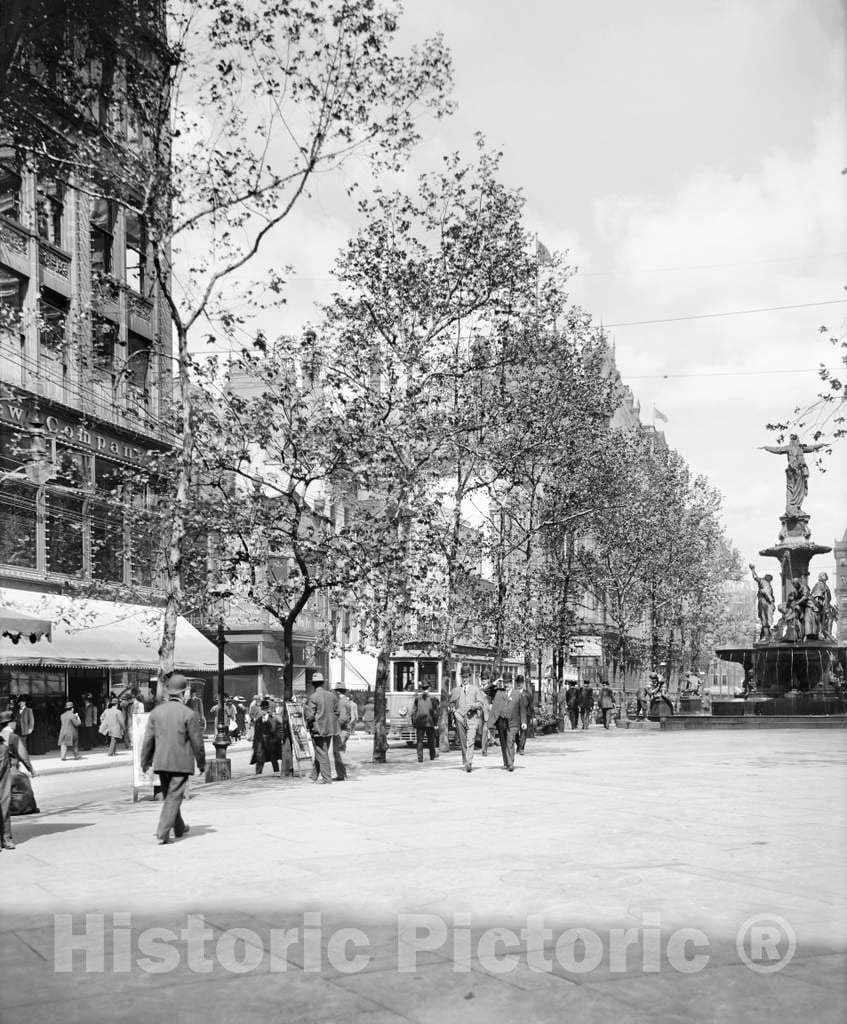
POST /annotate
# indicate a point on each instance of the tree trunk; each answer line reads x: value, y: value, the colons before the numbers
x: 383, y: 668
x: 287, y: 693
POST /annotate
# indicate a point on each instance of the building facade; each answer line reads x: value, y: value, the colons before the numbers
x: 85, y: 392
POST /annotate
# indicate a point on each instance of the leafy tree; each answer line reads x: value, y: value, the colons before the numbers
x: 226, y: 116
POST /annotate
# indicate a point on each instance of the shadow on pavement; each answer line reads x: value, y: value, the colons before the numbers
x: 29, y: 827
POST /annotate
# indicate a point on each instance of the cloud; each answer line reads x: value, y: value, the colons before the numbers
x: 772, y: 236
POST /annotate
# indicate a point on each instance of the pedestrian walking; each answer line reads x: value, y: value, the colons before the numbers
x: 69, y: 724
x: 321, y: 715
x: 22, y: 796
x: 254, y: 711
x: 529, y: 698
x: 173, y: 741
x: 606, y: 703
x: 517, y: 718
x: 572, y: 705
x: 586, y: 704
x: 11, y: 755
x: 240, y: 716
x: 499, y: 718
x: 267, y: 739
x: 466, y: 703
x: 112, y: 725
x: 25, y: 725
x: 425, y: 721
x: 484, y: 716
x: 344, y: 710
x: 88, y: 718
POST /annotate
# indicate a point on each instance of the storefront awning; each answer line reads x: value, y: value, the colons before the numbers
x: 359, y: 670
x: 14, y: 626
x: 103, y: 634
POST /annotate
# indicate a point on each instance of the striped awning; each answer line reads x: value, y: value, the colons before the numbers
x: 102, y: 634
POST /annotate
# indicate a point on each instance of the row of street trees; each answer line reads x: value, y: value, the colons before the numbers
x: 447, y: 380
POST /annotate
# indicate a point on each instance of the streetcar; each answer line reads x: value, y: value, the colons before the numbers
x: 410, y: 668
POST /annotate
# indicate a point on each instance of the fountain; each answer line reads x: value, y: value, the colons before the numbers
x: 795, y: 667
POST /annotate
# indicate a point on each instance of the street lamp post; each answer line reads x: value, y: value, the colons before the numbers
x: 220, y: 770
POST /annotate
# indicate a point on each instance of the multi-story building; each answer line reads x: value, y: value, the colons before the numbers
x: 85, y: 387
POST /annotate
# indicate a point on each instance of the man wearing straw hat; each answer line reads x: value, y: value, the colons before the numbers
x: 173, y: 741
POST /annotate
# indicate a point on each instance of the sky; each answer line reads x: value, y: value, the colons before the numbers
x: 688, y: 155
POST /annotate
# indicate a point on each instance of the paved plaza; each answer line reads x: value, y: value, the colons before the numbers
x: 615, y: 876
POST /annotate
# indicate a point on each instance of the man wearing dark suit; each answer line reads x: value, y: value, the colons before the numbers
x: 607, y: 703
x: 498, y: 716
x: 321, y: 715
x: 529, y: 700
x: 572, y: 704
x: 173, y: 741
x: 516, y: 721
x: 586, y: 704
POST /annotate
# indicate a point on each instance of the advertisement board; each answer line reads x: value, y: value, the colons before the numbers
x: 586, y: 647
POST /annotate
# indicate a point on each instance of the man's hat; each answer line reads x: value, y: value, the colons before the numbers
x: 341, y: 687
x: 176, y: 682
x: 69, y: 705
x: 265, y: 704
x: 424, y: 685
x: 518, y: 680
x: 5, y: 716
x: 317, y: 677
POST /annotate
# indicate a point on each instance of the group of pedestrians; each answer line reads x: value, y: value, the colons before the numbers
x: 577, y: 704
x: 330, y: 716
x: 475, y: 708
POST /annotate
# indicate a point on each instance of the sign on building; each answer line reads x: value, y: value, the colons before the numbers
x: 586, y: 647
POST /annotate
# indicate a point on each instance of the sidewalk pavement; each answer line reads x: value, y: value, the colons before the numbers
x: 614, y: 876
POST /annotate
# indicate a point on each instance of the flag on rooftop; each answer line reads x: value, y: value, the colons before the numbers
x: 657, y: 415
x: 542, y: 254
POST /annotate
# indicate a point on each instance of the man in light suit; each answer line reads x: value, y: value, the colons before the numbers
x: 466, y: 701
x: 173, y: 741
x: 321, y: 715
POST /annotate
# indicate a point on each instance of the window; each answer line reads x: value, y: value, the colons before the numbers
x: 18, y: 523
x: 64, y: 534
x: 12, y: 289
x: 137, y: 361
x: 136, y: 253
x: 145, y: 538
x: 104, y: 338
x: 102, y: 230
x: 50, y: 210
x: 12, y: 297
x: 14, y: 445
x: 109, y: 476
x: 107, y: 543
x: 10, y: 192
x: 53, y: 309
x: 71, y: 468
